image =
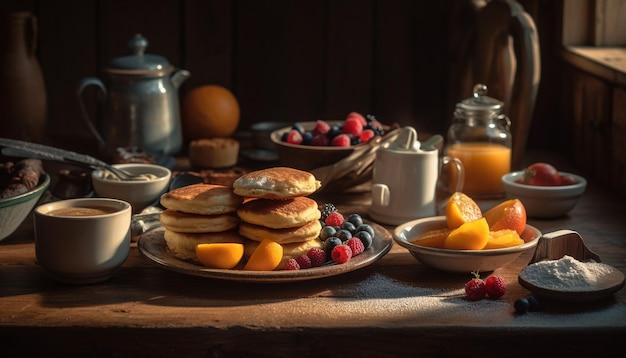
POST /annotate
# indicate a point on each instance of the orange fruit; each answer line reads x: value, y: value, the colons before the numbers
x: 220, y: 255
x: 433, y: 238
x: 471, y: 235
x: 510, y: 214
x: 209, y: 111
x: 503, y: 238
x: 461, y: 209
x: 265, y: 257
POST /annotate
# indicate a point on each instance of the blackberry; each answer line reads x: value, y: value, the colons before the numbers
x: 326, y: 209
x: 370, y: 118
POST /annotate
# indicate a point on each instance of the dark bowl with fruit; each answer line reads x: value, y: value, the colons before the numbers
x: 544, y: 191
x: 339, y: 153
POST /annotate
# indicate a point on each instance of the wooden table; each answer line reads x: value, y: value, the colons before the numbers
x: 395, y: 307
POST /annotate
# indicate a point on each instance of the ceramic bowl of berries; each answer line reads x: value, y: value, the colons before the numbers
x: 410, y: 234
x: 339, y: 153
x: 17, y: 205
x: 544, y: 191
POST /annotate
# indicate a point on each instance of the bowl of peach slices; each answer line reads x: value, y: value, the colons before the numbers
x: 468, y: 240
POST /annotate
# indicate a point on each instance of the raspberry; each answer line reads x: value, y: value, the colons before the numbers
x: 475, y: 289
x: 356, y: 245
x: 342, y: 140
x: 304, y: 261
x: 291, y: 264
x: 320, y: 140
x: 294, y: 137
x: 317, y: 256
x: 334, y: 219
x: 357, y: 116
x: 329, y: 245
x: 341, y: 254
x: 495, y: 287
x: 366, y: 135
x: 321, y: 127
x: 352, y: 126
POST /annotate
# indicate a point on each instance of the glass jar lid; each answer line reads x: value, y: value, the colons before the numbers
x: 480, y: 101
x: 139, y: 63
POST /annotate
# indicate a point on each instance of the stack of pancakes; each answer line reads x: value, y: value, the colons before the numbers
x: 199, y: 214
x: 277, y: 208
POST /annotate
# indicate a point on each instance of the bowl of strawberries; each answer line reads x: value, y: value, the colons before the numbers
x: 545, y: 191
x: 340, y: 153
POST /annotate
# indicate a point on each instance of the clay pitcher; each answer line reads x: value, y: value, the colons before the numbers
x: 23, y: 101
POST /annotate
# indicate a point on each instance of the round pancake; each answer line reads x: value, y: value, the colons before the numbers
x: 183, y: 245
x: 290, y: 251
x: 278, y: 214
x: 205, y: 199
x: 196, y: 223
x: 276, y: 183
x: 306, y: 232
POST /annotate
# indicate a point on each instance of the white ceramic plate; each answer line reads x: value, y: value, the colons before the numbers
x: 152, y: 246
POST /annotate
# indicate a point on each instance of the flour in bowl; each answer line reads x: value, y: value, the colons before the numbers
x: 567, y: 274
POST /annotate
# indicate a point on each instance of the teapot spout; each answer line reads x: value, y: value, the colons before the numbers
x: 179, y: 76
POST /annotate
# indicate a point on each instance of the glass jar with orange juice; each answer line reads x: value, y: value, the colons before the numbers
x: 480, y: 138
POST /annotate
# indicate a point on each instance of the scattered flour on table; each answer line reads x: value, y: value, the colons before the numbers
x: 566, y: 274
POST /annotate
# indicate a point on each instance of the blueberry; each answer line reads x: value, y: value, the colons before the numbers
x: 521, y: 305
x: 334, y: 131
x: 348, y: 226
x: 365, y: 238
x: 307, y: 138
x: 327, y: 231
x: 355, y: 219
x: 367, y: 228
x: 329, y: 245
x: 355, y: 140
x: 343, y: 234
x: 284, y: 136
x: 299, y: 128
x: 533, y: 304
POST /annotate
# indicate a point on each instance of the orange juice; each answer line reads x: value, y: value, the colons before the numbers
x: 484, y: 164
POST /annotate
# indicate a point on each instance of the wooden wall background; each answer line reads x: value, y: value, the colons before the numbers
x: 283, y: 59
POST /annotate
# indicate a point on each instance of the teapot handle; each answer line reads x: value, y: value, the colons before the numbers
x: 84, y: 83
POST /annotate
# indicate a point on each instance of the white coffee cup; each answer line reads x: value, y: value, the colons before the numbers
x: 405, y: 180
x: 81, y: 241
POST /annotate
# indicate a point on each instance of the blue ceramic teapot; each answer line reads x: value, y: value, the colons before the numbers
x: 140, y: 103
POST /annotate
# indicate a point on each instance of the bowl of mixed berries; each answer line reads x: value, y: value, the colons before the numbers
x: 320, y: 147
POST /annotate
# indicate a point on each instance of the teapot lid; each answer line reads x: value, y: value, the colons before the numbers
x: 480, y: 101
x: 139, y: 63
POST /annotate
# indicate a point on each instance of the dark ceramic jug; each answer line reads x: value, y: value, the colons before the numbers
x: 23, y: 101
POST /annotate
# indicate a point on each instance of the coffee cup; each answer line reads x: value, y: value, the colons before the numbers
x: 82, y: 241
x: 407, y: 179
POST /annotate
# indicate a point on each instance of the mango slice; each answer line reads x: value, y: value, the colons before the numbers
x: 220, y: 255
x: 433, y: 238
x: 266, y: 257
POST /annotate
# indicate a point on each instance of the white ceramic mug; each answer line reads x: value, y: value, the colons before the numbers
x: 405, y: 182
x: 82, y: 241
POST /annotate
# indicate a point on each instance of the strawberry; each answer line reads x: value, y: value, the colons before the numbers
x: 495, y: 287
x: 475, y: 288
x: 294, y: 137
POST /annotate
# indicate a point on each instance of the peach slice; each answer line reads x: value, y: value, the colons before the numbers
x: 433, y: 238
x: 503, y: 238
x: 471, y: 235
x: 265, y: 257
x: 220, y: 255
x: 510, y: 214
x: 461, y: 209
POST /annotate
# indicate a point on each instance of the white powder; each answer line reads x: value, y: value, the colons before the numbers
x: 567, y: 274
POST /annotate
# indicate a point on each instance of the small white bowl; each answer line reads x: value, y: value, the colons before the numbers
x: 15, y: 209
x: 140, y: 193
x: 459, y: 261
x: 544, y: 201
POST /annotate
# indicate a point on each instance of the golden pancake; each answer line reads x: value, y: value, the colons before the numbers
x: 308, y: 231
x: 276, y: 183
x: 196, y: 223
x: 183, y: 245
x: 278, y: 214
x: 205, y: 199
x: 290, y: 251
